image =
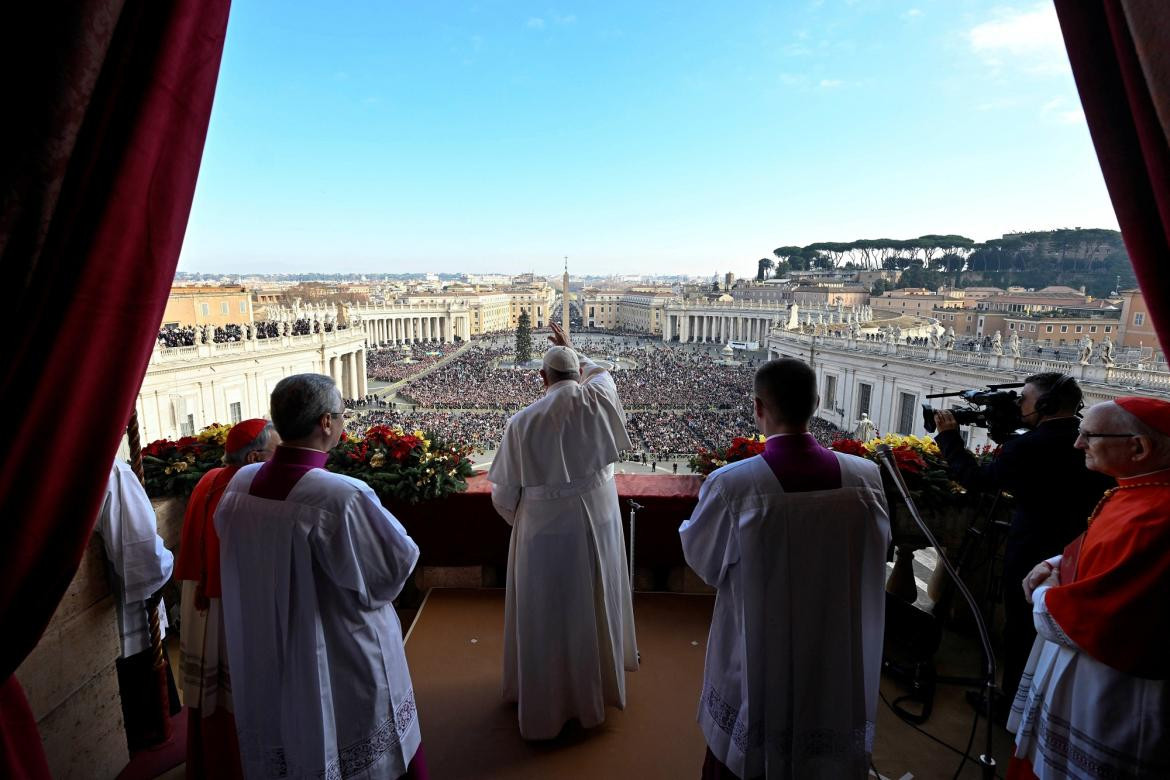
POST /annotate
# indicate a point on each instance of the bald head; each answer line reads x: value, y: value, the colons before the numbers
x: 1133, y: 448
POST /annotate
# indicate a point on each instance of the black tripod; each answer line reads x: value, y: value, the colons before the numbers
x: 986, y: 761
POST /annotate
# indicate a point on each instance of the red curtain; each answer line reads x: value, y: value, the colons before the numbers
x: 1118, y: 50
x: 106, y: 106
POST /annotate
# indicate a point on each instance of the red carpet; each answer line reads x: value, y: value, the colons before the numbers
x: 149, y: 764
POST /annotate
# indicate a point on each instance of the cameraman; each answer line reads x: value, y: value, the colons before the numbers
x: 1054, y: 494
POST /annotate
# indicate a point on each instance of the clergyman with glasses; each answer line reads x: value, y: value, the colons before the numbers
x: 1095, y: 699
x: 1052, y: 491
x: 310, y: 562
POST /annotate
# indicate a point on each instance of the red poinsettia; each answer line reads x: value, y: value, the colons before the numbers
x: 908, y: 459
x: 850, y: 447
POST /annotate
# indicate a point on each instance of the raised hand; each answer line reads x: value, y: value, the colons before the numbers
x: 558, y: 337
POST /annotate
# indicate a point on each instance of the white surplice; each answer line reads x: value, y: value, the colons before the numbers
x: 568, y: 616
x: 139, y: 563
x: 320, y: 684
x: 790, y: 683
x: 1075, y: 717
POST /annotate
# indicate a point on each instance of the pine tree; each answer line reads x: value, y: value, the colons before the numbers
x: 523, y: 338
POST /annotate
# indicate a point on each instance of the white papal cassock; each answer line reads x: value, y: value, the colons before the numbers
x: 319, y: 677
x: 790, y: 685
x: 568, y: 617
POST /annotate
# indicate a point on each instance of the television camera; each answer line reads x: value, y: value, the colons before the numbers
x: 995, y: 408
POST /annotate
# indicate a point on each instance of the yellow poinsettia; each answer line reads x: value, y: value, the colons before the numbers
x: 214, y: 434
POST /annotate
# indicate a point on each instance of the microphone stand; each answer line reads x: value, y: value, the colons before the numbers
x: 986, y: 760
x: 634, y: 507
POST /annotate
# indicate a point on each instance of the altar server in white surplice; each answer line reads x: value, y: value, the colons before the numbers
x: 310, y: 562
x: 794, y: 539
x: 568, y: 618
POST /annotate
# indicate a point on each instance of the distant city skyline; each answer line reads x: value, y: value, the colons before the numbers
x: 659, y: 138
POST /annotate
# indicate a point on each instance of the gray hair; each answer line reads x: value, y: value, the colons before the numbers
x: 299, y: 401
x: 1159, y: 442
x: 240, y: 456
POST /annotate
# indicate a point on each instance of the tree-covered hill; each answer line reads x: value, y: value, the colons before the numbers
x: 1095, y: 258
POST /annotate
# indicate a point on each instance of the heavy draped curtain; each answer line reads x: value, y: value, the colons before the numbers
x: 1120, y: 55
x: 106, y: 106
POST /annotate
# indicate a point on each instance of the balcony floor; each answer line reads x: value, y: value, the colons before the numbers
x: 469, y: 732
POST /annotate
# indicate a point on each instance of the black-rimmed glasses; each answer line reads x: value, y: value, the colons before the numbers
x: 1089, y: 435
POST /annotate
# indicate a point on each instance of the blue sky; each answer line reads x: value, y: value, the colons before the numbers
x: 655, y: 137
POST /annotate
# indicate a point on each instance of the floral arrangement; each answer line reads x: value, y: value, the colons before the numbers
x: 403, y: 467
x: 741, y: 448
x: 400, y: 467
x: 173, y: 468
x: 918, y: 459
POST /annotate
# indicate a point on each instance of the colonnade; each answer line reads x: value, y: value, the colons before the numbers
x: 349, y: 372
x: 718, y: 328
x: 408, y: 329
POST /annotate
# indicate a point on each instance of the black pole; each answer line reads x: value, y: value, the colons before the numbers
x: 986, y: 760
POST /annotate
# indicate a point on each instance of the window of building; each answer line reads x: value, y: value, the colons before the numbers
x: 235, y: 412
x: 223, y: 308
x: 1064, y: 328
x: 187, y: 426
x: 1031, y: 328
x: 1079, y: 328
x: 1047, y: 328
x: 243, y: 307
x: 906, y: 414
x: 205, y: 308
x: 1139, y: 318
x: 1092, y: 329
x: 863, y: 393
x: 1108, y: 328
x: 830, y: 392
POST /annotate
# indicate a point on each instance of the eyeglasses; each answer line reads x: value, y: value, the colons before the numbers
x: 342, y: 414
x: 1089, y: 435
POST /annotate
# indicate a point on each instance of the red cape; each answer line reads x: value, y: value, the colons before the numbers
x: 199, y: 547
x: 1114, y: 605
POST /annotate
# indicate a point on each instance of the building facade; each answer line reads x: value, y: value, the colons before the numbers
x: 215, y: 306
x: 890, y: 382
x: 188, y: 388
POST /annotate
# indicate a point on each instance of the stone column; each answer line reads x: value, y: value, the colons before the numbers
x: 363, y: 389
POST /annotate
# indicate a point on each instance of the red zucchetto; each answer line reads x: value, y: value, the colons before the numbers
x: 1152, y: 411
x: 243, y: 433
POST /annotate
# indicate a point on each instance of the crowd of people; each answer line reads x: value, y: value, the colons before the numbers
x: 648, y: 376
x: 480, y: 430
x: 191, y: 335
x: 677, y: 400
x: 393, y: 364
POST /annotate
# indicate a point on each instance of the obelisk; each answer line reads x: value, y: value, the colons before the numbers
x: 565, y: 299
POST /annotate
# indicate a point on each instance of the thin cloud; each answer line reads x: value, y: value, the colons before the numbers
x: 534, y: 23
x: 830, y: 83
x: 913, y: 12
x: 1027, y: 40
x: 1063, y: 111
x: 564, y: 20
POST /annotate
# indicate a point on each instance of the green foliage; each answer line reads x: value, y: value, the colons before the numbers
x: 401, y: 467
x: 765, y: 265
x: 523, y: 337
x: 174, y: 468
x: 1094, y: 258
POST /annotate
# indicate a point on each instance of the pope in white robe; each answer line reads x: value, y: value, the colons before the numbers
x: 794, y: 540
x: 568, y: 618
x: 310, y: 563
